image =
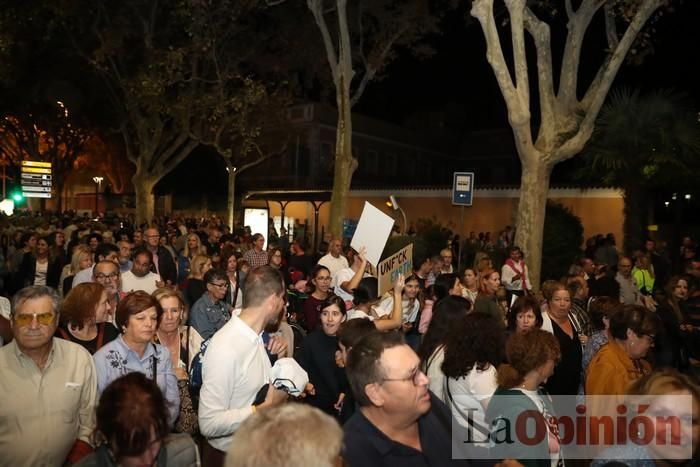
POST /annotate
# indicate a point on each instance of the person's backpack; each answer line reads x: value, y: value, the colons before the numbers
x: 196, y: 379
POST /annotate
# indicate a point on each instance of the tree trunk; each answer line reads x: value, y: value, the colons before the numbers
x: 145, y: 203
x: 534, y: 185
x: 231, y: 194
x: 345, y: 163
x: 635, y: 210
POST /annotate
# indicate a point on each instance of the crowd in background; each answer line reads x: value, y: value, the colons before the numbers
x: 161, y: 312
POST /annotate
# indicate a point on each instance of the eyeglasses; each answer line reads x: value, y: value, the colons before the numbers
x: 413, y: 377
x: 220, y: 286
x: 26, y: 319
x: 101, y: 277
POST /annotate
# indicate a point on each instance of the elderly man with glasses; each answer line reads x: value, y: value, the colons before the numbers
x: 48, y: 387
x: 211, y: 312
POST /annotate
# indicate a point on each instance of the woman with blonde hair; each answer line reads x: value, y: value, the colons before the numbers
x: 80, y: 259
x: 667, y: 396
x: 194, y: 286
x: 183, y: 342
x: 193, y: 247
x: 486, y: 300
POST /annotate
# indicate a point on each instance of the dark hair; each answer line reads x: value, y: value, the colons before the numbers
x: 521, y: 305
x: 226, y: 254
x: 129, y: 408
x: 256, y: 236
x: 314, y: 272
x: 525, y: 352
x: 24, y: 238
x: 443, y: 284
x: 135, y: 303
x: 604, y: 287
x: 636, y: 318
x: 602, y: 307
x: 366, y: 291
x: 574, y: 284
x: 350, y: 332
x: 333, y: 300
x: 215, y: 274
x: 261, y: 283
x: 446, y: 314
x: 477, y: 340
x: 104, y: 249
x: 363, y: 365
x: 91, y: 236
x: 142, y: 251
x: 79, y: 305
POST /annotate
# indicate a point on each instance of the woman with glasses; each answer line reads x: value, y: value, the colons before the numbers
x: 85, y: 314
x: 319, y: 286
x: 621, y: 361
x: 137, y: 317
x: 183, y: 342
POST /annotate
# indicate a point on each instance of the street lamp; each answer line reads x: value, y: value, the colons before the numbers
x: 392, y: 203
x: 98, y: 182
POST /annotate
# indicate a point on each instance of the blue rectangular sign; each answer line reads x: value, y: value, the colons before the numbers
x: 463, y: 188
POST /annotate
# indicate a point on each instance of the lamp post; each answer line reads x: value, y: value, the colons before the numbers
x: 98, y: 182
x: 395, y: 204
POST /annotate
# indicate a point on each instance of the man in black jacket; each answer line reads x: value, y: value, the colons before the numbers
x: 163, y: 262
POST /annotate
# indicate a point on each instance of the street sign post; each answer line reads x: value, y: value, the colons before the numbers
x: 462, y: 195
x: 36, y: 179
x: 463, y: 188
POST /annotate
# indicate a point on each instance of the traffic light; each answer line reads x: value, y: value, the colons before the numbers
x: 17, y: 196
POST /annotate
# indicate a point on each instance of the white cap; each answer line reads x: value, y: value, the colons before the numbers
x: 286, y: 374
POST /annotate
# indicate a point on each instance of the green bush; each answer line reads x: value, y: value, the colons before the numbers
x: 561, y: 242
x: 430, y: 238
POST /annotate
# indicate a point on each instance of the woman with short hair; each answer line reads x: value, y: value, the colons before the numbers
x: 85, y: 314
x: 132, y: 428
x: 524, y: 315
x: 531, y: 357
x: 137, y: 317
x: 621, y: 361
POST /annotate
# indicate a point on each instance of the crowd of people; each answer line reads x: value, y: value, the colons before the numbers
x: 182, y: 343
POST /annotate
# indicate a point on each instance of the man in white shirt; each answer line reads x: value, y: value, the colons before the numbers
x: 235, y: 366
x: 48, y: 389
x: 334, y: 260
x: 346, y: 279
x: 140, y: 277
x: 514, y: 274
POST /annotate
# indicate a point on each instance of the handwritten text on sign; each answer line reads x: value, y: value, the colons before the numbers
x: 400, y: 262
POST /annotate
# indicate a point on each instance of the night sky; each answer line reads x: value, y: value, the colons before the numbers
x: 458, y: 81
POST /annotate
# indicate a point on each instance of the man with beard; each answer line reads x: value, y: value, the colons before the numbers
x: 107, y: 273
x: 236, y: 366
x: 140, y: 277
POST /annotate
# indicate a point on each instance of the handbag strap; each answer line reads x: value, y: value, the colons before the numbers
x: 155, y: 363
x: 100, y: 335
x: 467, y: 417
